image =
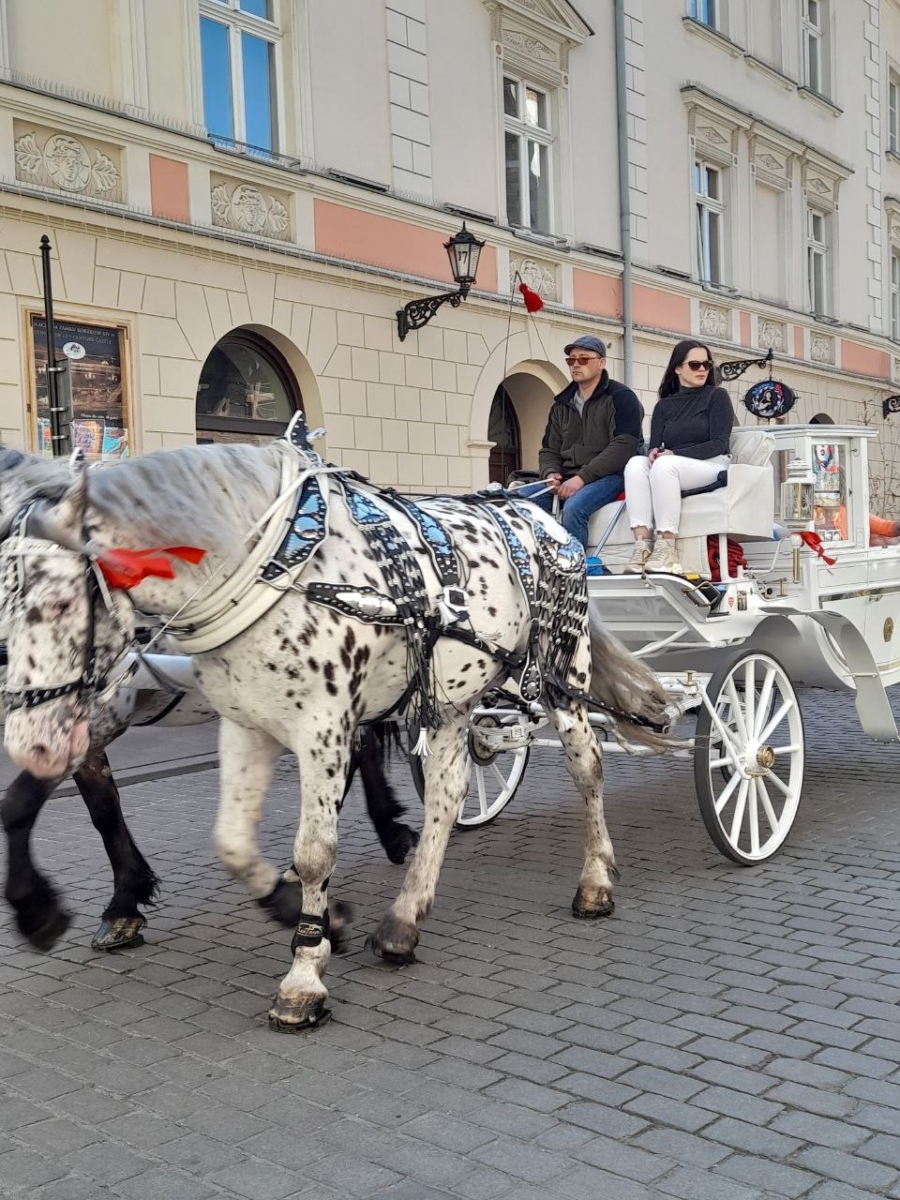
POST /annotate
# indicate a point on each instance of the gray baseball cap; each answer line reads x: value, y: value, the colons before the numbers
x: 588, y: 342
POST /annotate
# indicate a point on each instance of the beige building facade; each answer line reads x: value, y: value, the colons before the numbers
x: 240, y: 195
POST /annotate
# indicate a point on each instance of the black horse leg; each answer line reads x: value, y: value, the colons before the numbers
x: 134, y: 882
x: 384, y: 808
x: 39, y: 915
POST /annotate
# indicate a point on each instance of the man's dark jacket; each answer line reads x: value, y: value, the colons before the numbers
x: 597, y: 442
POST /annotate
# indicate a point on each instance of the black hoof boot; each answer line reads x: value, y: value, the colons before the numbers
x: 119, y: 933
x: 284, y: 904
x: 593, y: 903
x: 43, y: 931
x: 288, y: 1016
x: 395, y: 941
x: 400, y: 842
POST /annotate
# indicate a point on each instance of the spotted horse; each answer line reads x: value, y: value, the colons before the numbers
x: 341, y: 605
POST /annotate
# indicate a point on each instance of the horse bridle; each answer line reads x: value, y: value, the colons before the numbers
x: 15, y: 548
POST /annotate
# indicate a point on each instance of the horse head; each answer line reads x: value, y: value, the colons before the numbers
x: 64, y: 629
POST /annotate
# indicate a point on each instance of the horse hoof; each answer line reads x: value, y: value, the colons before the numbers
x: 119, y: 933
x: 584, y: 909
x: 48, y: 933
x: 284, y: 903
x: 394, y: 941
x: 288, y: 1016
x: 400, y: 843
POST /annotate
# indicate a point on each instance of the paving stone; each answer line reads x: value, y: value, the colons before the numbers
x: 628, y: 1161
x: 847, y: 1168
x: 769, y: 1176
x: 693, y: 1184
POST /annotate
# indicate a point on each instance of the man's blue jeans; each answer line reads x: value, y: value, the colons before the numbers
x: 578, y: 509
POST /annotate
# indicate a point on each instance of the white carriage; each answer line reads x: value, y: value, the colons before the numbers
x: 735, y: 651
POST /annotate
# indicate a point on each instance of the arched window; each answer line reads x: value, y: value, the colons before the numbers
x: 247, y: 391
x: 503, y: 431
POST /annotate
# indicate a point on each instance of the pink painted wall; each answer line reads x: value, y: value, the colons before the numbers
x: 384, y: 242
x: 661, y: 310
x: 798, y: 342
x: 595, y: 293
x: 169, y: 193
x: 745, y: 329
x: 864, y: 360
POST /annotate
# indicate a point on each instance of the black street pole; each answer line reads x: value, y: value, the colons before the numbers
x: 60, y: 417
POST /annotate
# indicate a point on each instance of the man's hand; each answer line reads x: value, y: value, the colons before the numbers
x: 553, y: 481
x: 570, y: 487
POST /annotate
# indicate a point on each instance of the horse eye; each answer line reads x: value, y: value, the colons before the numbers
x: 59, y: 608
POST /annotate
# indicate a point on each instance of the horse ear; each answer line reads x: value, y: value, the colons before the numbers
x: 63, y: 522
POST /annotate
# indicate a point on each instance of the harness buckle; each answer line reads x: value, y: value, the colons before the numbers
x: 454, y: 605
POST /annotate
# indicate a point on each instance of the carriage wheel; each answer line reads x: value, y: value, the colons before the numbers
x: 749, y: 757
x: 493, y: 776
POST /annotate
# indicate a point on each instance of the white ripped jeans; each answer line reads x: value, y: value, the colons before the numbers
x: 653, y: 494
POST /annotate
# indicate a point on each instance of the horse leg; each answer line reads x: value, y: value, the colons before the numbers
x: 300, y: 1003
x: 396, y: 937
x: 584, y: 763
x: 134, y: 882
x: 39, y: 915
x: 247, y: 760
x: 382, y: 804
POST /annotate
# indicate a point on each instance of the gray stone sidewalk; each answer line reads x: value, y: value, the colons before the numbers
x: 729, y: 1034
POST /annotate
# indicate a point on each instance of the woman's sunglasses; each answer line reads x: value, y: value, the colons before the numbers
x: 696, y: 365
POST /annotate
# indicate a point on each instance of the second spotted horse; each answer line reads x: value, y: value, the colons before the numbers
x: 344, y: 605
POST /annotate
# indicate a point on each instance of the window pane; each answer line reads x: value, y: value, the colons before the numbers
x: 535, y: 108
x: 712, y: 184
x: 895, y: 270
x: 513, y: 179
x: 815, y: 74
x: 240, y: 383
x: 218, y: 111
x: 257, y: 91
x: 715, y: 264
x: 510, y: 97
x: 539, y: 186
x: 258, y: 8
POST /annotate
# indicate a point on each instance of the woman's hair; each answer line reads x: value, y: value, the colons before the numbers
x: 670, y: 382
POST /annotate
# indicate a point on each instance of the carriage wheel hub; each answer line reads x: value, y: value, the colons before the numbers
x: 765, y: 760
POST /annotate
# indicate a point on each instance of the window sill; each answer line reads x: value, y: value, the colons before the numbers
x: 789, y: 85
x: 822, y: 101
x: 718, y: 289
x: 824, y: 319
x: 541, y: 239
x: 714, y: 36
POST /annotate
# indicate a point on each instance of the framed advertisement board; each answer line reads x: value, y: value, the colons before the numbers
x: 97, y: 357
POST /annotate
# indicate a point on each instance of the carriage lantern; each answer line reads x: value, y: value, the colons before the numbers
x: 797, y: 505
x: 463, y: 250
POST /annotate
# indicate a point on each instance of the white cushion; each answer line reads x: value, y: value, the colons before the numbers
x: 752, y: 446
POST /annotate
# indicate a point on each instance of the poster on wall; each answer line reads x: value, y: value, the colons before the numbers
x: 94, y: 353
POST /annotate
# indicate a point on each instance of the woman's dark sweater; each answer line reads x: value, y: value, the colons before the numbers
x: 693, y: 422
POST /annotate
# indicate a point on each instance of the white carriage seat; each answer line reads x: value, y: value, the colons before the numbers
x: 743, y: 509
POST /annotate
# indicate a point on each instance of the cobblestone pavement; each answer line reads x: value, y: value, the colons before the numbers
x: 729, y: 1034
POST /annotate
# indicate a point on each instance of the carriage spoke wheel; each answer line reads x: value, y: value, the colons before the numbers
x: 749, y: 757
x: 493, y: 776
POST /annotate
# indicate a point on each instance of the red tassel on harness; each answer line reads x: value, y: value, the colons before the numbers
x: 127, y: 568
x: 814, y: 542
x: 533, y: 302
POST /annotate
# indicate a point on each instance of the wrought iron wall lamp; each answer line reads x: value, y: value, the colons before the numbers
x: 463, y: 250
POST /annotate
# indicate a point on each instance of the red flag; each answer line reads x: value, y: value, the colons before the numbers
x: 533, y: 302
x: 127, y: 568
x: 814, y: 542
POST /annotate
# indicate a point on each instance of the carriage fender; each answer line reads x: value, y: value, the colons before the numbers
x: 796, y: 639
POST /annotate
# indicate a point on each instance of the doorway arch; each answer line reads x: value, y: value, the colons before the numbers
x: 247, y: 390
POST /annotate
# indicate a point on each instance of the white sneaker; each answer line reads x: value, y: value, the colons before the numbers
x: 663, y: 559
x: 635, y: 565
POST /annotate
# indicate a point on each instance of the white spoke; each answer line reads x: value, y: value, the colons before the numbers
x: 721, y: 762
x: 739, y: 812
x: 737, y: 712
x: 792, y: 749
x: 780, y: 784
x: 750, y: 693
x: 479, y: 783
x: 767, y: 805
x: 499, y: 776
x: 726, y: 794
x: 777, y: 719
x: 754, y: 819
x: 765, y: 696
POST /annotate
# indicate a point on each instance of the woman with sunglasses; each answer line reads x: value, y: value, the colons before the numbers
x: 690, y: 434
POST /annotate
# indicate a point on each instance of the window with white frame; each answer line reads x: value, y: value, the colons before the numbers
x: 815, y: 61
x: 707, y: 12
x: 895, y: 294
x: 709, y: 199
x: 817, y: 260
x: 238, y: 41
x: 894, y: 113
x: 528, y: 149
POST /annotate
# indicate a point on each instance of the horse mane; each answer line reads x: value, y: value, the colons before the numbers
x: 192, y: 495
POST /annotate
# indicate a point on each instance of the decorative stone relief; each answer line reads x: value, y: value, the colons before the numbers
x: 713, y: 321
x: 895, y: 231
x: 530, y: 46
x: 539, y: 276
x: 819, y: 186
x: 249, y: 209
x: 771, y: 335
x: 821, y: 348
x: 770, y: 162
x: 708, y: 134
x: 897, y: 370
x: 82, y: 166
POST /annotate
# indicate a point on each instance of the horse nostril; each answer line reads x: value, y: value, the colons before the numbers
x: 40, y: 751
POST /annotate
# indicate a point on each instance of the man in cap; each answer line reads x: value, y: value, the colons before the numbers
x: 593, y: 430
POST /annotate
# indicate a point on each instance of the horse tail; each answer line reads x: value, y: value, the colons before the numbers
x: 629, y: 692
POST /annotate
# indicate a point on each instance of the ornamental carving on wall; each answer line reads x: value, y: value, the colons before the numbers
x: 530, y: 46
x: 248, y: 209
x: 897, y: 370
x: 712, y: 136
x: 81, y: 166
x: 771, y: 335
x: 713, y: 321
x: 821, y: 348
x: 540, y: 277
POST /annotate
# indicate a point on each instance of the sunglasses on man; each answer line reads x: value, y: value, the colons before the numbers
x: 581, y: 360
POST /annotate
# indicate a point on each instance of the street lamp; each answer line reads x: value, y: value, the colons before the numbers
x: 463, y: 250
